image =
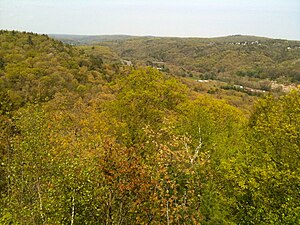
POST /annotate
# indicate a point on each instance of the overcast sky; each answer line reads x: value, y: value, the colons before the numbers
x: 197, y: 18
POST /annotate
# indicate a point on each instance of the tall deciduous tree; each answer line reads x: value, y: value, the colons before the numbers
x: 263, y: 179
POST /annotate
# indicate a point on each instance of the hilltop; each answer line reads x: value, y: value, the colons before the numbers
x: 94, y: 39
x: 88, y: 39
x: 239, y: 62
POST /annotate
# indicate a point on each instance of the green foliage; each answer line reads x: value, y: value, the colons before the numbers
x: 224, y: 59
x: 144, y: 97
x: 31, y: 64
x: 83, y: 141
x: 262, y: 180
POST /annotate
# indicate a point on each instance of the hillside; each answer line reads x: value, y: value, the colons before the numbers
x: 255, y: 63
x: 86, y: 138
x: 230, y: 59
x: 35, y: 68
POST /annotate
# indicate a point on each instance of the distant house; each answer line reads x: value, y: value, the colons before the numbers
x: 158, y: 65
x: 203, y: 81
x: 126, y: 62
x: 238, y: 86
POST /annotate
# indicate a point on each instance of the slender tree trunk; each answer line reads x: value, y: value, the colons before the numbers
x: 73, y: 208
x: 168, y: 219
x: 40, y: 200
x: 108, y: 214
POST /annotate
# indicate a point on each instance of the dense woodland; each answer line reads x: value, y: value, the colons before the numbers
x: 86, y: 139
x: 245, y: 60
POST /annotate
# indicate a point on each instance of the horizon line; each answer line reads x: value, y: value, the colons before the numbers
x: 155, y: 36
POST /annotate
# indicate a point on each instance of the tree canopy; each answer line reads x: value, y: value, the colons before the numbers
x: 88, y: 141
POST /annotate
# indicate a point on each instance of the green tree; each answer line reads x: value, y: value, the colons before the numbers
x: 144, y: 97
x: 215, y: 132
x: 262, y: 181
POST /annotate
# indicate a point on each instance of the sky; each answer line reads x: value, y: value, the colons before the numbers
x: 180, y: 18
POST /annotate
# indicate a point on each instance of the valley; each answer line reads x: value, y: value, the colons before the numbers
x: 148, y: 130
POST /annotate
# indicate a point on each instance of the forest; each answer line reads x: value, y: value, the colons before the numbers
x: 238, y: 58
x: 88, y: 138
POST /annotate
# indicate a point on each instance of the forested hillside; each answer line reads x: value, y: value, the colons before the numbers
x: 85, y: 139
x: 230, y: 58
x: 256, y: 64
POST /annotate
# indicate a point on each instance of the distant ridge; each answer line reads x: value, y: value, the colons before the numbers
x: 88, y: 39
x: 94, y: 39
x: 239, y: 38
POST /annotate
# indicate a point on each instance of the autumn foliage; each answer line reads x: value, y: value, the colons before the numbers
x: 85, y: 142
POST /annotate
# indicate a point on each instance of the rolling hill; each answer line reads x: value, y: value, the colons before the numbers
x: 243, y: 62
x: 90, y: 136
x: 221, y: 58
